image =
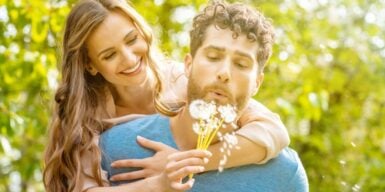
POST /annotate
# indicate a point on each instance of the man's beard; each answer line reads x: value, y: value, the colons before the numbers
x: 195, y: 92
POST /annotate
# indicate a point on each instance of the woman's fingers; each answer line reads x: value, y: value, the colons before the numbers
x: 184, y: 172
x: 187, y: 154
x: 130, y: 175
x: 182, y: 186
x: 175, y: 165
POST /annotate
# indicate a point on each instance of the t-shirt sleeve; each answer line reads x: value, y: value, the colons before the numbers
x: 263, y: 127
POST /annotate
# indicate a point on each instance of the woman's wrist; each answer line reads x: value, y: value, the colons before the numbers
x: 155, y: 183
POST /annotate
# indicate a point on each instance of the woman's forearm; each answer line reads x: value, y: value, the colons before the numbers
x: 248, y: 153
x: 145, y: 185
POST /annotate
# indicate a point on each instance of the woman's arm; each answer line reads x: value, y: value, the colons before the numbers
x: 261, y: 137
x: 179, y: 165
x: 264, y: 128
x: 142, y: 185
x: 247, y: 153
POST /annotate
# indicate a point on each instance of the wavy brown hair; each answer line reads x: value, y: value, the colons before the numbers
x: 239, y: 18
x: 80, y: 101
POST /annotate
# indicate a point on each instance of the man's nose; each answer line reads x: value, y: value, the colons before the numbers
x: 223, y: 73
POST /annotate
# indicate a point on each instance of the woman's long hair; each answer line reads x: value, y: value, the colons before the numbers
x: 81, y: 98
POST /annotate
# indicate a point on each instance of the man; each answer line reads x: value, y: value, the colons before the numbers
x: 230, y: 45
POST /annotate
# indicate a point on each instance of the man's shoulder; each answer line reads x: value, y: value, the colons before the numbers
x: 283, y: 173
x: 138, y: 123
x: 289, y: 155
x: 292, y: 169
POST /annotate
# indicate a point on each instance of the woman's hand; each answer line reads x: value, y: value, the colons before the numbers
x: 151, y: 166
x: 179, y: 166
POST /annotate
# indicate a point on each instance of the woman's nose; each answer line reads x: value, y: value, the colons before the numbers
x: 129, y: 58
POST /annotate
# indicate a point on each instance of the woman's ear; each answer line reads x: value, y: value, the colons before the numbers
x: 187, y: 64
x: 91, y: 69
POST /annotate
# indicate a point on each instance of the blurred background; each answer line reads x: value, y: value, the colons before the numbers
x: 326, y: 80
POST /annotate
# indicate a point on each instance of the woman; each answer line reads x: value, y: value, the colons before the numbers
x: 109, y: 70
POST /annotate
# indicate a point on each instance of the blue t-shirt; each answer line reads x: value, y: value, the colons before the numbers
x: 284, y: 173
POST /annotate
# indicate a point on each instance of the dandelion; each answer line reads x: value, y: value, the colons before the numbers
x: 210, y: 119
x: 227, y: 112
x: 197, y: 129
x: 202, y: 110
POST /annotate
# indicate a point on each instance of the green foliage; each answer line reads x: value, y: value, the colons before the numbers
x: 29, y: 34
x: 325, y: 79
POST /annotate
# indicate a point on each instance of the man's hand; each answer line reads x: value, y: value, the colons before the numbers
x: 151, y: 166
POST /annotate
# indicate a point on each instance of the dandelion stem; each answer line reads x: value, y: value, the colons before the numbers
x: 213, y: 133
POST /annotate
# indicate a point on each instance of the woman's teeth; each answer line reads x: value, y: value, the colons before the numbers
x: 132, y: 69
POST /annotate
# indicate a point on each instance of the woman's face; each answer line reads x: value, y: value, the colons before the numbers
x: 118, y: 51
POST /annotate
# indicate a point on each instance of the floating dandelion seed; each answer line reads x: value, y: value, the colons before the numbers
x: 356, y: 187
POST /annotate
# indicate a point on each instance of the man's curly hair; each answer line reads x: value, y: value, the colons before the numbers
x: 240, y: 19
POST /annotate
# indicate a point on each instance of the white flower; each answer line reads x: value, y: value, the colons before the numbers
x: 202, y: 110
x: 197, y: 129
x: 230, y: 139
x: 234, y: 125
x: 229, y: 152
x: 227, y: 112
x: 223, y: 161
x: 207, y: 125
x: 214, y: 122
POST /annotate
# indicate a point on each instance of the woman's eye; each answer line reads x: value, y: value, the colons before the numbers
x: 132, y: 40
x: 109, y: 56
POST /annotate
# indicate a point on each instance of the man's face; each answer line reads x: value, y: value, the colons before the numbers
x: 224, y: 69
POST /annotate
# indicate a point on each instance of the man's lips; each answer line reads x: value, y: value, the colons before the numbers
x: 219, y: 92
x: 219, y: 95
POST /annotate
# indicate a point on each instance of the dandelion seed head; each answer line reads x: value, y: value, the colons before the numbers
x: 227, y: 112
x: 197, y: 129
x: 210, y: 119
x: 199, y: 109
